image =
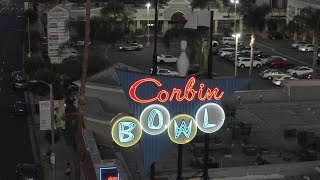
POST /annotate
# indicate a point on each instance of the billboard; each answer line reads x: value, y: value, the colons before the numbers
x: 45, y: 114
x: 170, y: 110
x: 58, y: 33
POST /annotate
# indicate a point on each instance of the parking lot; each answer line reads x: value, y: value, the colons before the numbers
x: 143, y: 59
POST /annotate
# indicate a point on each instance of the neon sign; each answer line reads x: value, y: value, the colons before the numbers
x: 188, y: 94
x: 109, y: 173
x: 155, y: 119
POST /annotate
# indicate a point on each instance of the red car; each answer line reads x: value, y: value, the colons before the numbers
x: 280, y: 63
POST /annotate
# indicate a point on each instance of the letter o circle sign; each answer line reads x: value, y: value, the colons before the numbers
x: 182, y: 129
x: 154, y: 119
x: 210, y: 117
x: 126, y: 131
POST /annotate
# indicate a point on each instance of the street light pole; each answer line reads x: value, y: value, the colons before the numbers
x: 235, y: 13
x: 52, y: 156
x: 52, y: 132
x: 236, y: 53
x: 29, y: 43
x: 148, y: 24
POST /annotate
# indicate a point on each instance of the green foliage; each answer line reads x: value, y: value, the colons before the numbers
x: 308, y: 22
x: 73, y: 67
x: 209, y: 4
x: 32, y: 15
x: 35, y: 40
x: 254, y: 16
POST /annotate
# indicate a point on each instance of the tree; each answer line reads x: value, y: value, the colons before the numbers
x: 309, y: 22
x: 254, y: 18
x: 209, y: 4
x: 83, y: 82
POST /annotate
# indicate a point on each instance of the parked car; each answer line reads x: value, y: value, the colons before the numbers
x: 217, y: 49
x: 131, y: 47
x: 228, y: 40
x: 20, y: 82
x: 165, y: 71
x: 306, y: 76
x: 248, y: 51
x: 240, y: 55
x: 226, y: 52
x: 27, y: 171
x: 275, y: 35
x: 271, y: 58
x: 297, y: 71
x: 306, y: 48
x: 204, y: 75
x: 245, y: 62
x: 19, y: 108
x: 278, y: 81
x: 262, y: 56
x: 280, y: 63
x: 272, y: 73
x: 14, y: 74
x: 165, y: 58
x: 298, y: 43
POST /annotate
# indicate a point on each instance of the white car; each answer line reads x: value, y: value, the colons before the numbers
x: 245, y: 62
x: 224, y: 49
x: 165, y: 71
x: 298, y: 43
x: 247, y: 50
x: 226, y: 52
x: 278, y: 81
x: 271, y: 58
x: 272, y: 74
x: 70, y: 52
x: 164, y: 58
x: 131, y: 47
x: 297, y: 71
x: 306, y: 48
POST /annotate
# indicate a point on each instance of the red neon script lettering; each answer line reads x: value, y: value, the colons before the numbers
x: 112, y: 178
x: 188, y: 94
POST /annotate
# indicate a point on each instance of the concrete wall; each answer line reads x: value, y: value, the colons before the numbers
x: 254, y: 96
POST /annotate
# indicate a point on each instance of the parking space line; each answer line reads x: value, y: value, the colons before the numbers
x: 279, y: 53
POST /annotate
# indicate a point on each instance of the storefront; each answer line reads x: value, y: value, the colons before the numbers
x: 172, y: 15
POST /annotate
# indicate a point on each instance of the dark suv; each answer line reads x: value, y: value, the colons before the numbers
x: 275, y: 35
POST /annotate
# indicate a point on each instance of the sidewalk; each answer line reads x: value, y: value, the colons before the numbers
x: 63, y: 152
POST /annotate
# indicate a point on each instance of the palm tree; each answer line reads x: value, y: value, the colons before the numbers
x: 254, y: 18
x: 82, y: 100
x: 309, y: 21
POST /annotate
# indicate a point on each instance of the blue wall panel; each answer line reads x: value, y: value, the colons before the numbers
x: 153, y: 146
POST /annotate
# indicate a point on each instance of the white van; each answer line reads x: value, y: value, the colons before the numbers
x: 228, y: 40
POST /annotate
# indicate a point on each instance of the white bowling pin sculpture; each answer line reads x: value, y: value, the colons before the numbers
x: 183, y: 61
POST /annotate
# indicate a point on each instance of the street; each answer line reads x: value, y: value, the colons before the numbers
x: 14, y: 137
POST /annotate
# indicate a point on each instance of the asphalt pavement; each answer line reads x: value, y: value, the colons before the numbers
x: 14, y: 135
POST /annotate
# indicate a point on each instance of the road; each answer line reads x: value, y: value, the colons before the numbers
x: 14, y: 135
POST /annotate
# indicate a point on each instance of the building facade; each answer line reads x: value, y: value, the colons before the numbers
x: 294, y: 7
x: 172, y: 15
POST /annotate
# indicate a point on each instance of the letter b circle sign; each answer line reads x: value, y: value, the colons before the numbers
x: 126, y: 131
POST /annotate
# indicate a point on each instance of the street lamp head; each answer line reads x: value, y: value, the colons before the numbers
x: 236, y: 35
x: 148, y: 5
x: 235, y: 1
